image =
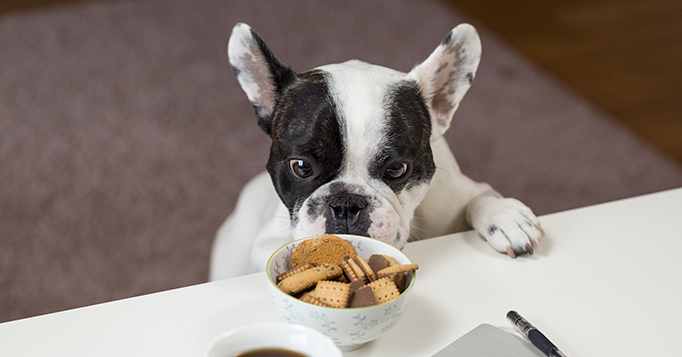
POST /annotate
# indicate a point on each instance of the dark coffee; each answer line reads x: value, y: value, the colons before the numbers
x: 272, y: 352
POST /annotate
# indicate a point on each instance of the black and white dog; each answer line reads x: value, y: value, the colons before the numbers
x: 359, y: 149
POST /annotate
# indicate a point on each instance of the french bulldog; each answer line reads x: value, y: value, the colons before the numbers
x: 359, y: 149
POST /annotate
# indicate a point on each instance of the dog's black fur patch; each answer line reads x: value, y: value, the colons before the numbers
x: 313, y: 136
x: 408, y: 134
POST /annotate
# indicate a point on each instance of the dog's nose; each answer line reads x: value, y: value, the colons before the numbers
x: 347, y: 213
x: 347, y: 206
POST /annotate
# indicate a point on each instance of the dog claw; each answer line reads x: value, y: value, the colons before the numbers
x: 536, y: 243
x: 511, y: 252
x: 542, y: 231
x: 529, y: 249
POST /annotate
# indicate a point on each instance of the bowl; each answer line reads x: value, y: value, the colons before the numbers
x: 349, y: 328
x: 279, y: 335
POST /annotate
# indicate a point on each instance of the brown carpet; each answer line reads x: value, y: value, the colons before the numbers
x: 124, y: 138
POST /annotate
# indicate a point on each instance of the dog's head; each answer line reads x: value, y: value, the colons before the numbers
x: 351, y: 146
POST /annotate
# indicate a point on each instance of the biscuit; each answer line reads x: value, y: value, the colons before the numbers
x: 294, y: 271
x: 399, y: 279
x: 391, y: 261
x: 363, y: 297
x: 332, y: 293
x: 324, y: 249
x: 348, y: 272
x: 384, y: 290
x: 356, y: 284
x: 369, y: 273
x: 312, y: 300
x: 377, y: 262
x: 358, y: 270
x: 398, y: 269
x: 308, y: 278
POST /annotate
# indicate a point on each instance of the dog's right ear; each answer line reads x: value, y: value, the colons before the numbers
x: 260, y: 74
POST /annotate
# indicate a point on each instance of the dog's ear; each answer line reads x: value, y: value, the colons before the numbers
x: 447, y: 74
x: 260, y: 74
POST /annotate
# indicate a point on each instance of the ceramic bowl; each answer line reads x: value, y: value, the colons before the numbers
x: 350, y: 329
x: 301, y: 339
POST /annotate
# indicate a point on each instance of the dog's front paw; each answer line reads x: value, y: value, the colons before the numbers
x: 506, y: 224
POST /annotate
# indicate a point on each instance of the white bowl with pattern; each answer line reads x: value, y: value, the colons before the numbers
x: 350, y: 329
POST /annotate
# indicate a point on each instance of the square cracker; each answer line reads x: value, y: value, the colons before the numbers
x: 384, y: 290
x: 333, y: 293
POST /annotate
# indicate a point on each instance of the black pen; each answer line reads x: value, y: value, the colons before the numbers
x: 534, y: 335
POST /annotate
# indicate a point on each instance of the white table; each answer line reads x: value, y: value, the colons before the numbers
x: 606, y: 283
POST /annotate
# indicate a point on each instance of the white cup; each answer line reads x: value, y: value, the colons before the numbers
x: 296, y: 338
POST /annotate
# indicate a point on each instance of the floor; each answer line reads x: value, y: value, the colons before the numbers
x: 623, y: 55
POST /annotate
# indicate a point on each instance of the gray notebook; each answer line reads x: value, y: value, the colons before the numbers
x: 489, y: 341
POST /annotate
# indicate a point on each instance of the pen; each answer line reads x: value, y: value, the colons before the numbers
x: 534, y: 335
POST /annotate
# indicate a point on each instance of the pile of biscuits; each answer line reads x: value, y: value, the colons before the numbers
x: 328, y: 271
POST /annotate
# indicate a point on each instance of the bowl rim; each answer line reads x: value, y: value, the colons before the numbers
x: 323, y: 339
x: 408, y: 288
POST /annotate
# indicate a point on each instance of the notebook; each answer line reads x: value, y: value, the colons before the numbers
x: 489, y: 341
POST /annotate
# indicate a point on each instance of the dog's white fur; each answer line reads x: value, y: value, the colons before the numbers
x: 452, y: 202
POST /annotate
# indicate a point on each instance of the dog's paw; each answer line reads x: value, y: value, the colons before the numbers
x: 506, y: 224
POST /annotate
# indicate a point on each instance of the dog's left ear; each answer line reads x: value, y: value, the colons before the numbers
x: 260, y: 74
x: 447, y: 74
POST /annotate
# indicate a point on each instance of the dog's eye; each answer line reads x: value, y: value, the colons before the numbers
x: 395, y: 170
x: 300, y: 168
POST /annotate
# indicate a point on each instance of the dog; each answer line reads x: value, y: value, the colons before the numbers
x: 359, y: 149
